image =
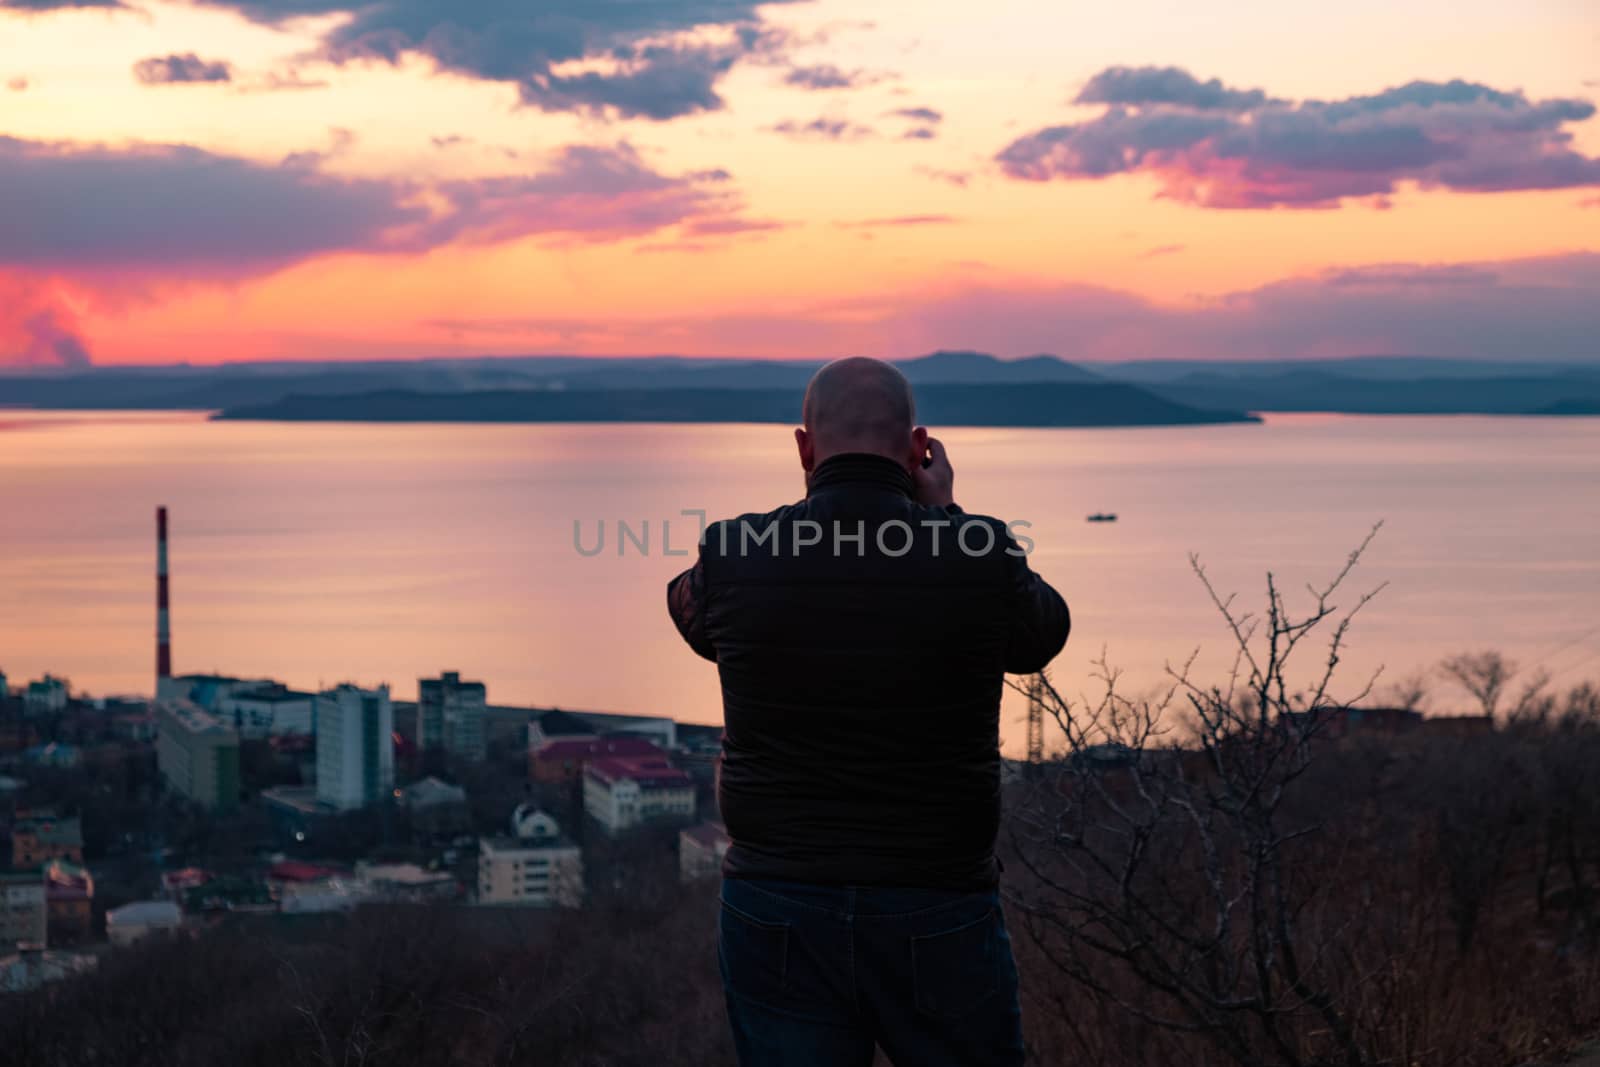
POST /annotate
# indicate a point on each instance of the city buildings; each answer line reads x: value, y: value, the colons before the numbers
x: 207, y: 691
x: 558, y: 725
x: 700, y: 851
x: 131, y: 922
x: 622, y: 792
x: 450, y: 716
x: 304, y: 888
x: 48, y: 696
x: 437, y: 808
x: 663, y: 731
x: 535, y: 866
x: 355, y: 746
x: 268, y: 710
x: 57, y: 754
x: 40, y: 835
x: 69, y: 900
x: 198, y: 754
x: 134, y: 726
x: 405, y: 881
x: 24, y: 918
x: 565, y: 760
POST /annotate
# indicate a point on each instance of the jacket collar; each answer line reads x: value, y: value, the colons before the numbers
x: 861, y: 470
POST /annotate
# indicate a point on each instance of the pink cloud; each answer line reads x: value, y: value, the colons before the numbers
x: 1219, y: 147
x: 105, y: 222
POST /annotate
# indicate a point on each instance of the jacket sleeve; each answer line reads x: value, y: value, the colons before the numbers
x: 686, y: 603
x: 1040, y: 621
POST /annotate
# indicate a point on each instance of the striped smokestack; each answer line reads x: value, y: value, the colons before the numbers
x: 163, y: 630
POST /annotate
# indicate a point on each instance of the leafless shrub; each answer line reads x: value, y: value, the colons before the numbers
x: 1163, y: 876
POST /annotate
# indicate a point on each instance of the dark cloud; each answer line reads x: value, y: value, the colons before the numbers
x: 822, y: 129
x: 663, y: 84
x: 450, y: 140
x: 1208, y: 146
x: 590, y: 194
x: 165, y: 210
x: 103, y: 220
x: 655, y: 60
x: 920, y: 133
x: 177, y: 208
x: 1389, y: 276
x: 186, y: 68
x: 1166, y: 85
x: 827, y: 76
x: 917, y: 114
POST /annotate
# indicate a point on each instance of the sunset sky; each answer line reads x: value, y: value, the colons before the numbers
x: 226, y: 180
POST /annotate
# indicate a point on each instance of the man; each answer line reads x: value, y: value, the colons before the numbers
x: 861, y: 636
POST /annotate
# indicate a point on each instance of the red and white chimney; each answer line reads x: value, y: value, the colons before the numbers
x: 163, y: 627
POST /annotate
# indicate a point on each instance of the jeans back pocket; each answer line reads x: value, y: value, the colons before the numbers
x: 956, y: 970
x: 754, y: 955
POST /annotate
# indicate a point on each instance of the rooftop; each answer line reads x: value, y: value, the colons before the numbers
x: 298, y: 798
x: 192, y: 718
x: 163, y: 912
x: 299, y: 871
x: 431, y: 792
x: 623, y: 747
x: 451, y: 679
x: 555, y: 723
x: 68, y: 881
x: 652, y: 772
x: 52, y: 830
x: 401, y: 874
x: 513, y: 844
x: 272, y: 693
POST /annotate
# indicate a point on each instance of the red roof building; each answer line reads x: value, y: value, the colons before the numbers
x: 564, y: 761
x: 624, y: 791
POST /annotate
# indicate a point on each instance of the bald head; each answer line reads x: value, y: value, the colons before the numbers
x: 860, y: 405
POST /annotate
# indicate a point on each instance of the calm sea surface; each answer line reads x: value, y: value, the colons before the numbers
x: 319, y: 553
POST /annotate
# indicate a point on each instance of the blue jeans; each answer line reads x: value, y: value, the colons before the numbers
x: 816, y: 975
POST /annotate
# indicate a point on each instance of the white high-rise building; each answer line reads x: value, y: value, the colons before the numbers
x: 355, y: 746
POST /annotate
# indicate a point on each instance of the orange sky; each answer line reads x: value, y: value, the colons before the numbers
x: 396, y: 209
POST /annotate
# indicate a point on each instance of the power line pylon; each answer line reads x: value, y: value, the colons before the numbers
x: 1036, y: 721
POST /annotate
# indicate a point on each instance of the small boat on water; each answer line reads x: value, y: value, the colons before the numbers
x: 1101, y: 516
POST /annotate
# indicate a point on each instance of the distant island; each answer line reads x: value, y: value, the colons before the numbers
x: 956, y: 388
x: 1036, y: 404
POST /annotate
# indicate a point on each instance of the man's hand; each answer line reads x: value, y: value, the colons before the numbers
x: 936, y: 481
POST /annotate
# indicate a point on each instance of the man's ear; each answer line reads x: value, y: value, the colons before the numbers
x: 919, y: 447
x: 807, y: 447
